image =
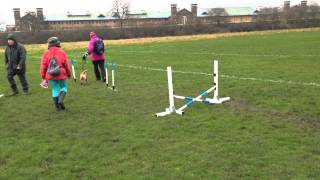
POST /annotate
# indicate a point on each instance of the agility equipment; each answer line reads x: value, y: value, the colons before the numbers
x: 215, y: 100
x: 73, y: 70
x: 113, y: 68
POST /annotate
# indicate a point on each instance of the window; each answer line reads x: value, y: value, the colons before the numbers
x: 184, y: 20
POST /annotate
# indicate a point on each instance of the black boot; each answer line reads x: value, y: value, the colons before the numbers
x: 62, y: 95
x: 56, y: 103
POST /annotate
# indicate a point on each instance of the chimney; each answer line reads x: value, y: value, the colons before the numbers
x: 304, y: 4
x: 17, y: 16
x: 174, y: 10
x: 286, y: 5
x: 194, y: 10
x: 40, y: 14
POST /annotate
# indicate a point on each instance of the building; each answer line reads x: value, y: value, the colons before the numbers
x: 36, y: 21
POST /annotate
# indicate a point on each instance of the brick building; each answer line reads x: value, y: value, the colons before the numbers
x: 36, y: 21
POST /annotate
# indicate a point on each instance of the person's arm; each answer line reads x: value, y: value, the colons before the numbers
x: 6, y: 60
x: 43, y: 66
x: 22, y: 56
x: 90, y: 46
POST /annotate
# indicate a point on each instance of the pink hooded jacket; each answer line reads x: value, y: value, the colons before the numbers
x: 94, y: 56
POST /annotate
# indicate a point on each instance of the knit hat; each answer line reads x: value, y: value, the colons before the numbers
x: 53, y: 41
x: 12, y: 37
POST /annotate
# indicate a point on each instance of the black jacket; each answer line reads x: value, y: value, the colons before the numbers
x: 15, y: 55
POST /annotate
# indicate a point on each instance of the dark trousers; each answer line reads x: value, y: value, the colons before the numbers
x: 99, y: 71
x: 23, y: 81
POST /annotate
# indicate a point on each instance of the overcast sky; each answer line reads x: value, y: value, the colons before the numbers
x: 63, y: 6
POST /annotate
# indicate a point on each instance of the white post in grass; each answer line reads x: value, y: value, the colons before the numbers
x: 170, y: 88
x: 1, y: 95
x: 73, y: 70
x: 107, y: 74
x: 215, y: 80
x: 216, y: 99
x: 113, y: 69
x: 171, y: 109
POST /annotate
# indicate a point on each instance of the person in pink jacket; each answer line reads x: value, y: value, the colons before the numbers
x: 96, y: 50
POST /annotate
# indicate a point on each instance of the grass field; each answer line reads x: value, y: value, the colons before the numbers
x: 269, y: 129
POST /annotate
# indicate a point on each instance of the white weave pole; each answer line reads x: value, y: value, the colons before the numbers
x: 107, y: 74
x: 112, y: 72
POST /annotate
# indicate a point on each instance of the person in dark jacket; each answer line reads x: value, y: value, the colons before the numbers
x: 15, y: 63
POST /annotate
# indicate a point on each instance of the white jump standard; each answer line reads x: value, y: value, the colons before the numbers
x: 215, y: 100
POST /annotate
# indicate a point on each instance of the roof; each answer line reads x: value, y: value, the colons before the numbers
x: 97, y: 16
x: 149, y: 14
x: 68, y: 17
x: 231, y: 11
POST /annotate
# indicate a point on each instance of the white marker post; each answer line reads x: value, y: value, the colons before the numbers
x: 73, y: 71
x: 171, y: 109
x: 216, y: 99
x: 113, y: 83
x: 107, y: 74
x: 1, y: 95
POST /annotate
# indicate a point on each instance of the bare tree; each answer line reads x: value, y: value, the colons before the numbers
x: 120, y: 10
x: 219, y: 14
x: 268, y: 14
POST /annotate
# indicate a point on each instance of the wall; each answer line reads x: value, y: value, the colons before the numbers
x: 156, y: 31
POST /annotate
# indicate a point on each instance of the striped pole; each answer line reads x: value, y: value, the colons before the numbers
x: 73, y: 70
x: 197, y: 99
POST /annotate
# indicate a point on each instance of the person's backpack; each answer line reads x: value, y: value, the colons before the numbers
x: 99, y: 46
x: 54, y: 68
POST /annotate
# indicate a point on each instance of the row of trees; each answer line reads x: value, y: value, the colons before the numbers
x: 290, y: 14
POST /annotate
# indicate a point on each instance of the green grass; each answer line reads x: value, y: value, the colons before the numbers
x: 267, y: 131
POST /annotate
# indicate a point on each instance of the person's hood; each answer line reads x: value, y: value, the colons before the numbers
x: 94, y: 37
x: 92, y: 34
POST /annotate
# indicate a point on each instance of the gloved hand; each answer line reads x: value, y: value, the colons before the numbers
x: 85, y: 55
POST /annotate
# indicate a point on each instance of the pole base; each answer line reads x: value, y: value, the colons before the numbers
x: 217, y: 100
x: 168, y: 112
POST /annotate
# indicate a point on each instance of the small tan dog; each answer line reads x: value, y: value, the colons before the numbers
x: 83, y: 77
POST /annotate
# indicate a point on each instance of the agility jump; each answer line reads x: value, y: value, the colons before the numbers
x: 215, y: 100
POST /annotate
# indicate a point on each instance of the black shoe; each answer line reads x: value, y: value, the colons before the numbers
x: 26, y: 92
x: 62, y: 95
x: 56, y: 103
